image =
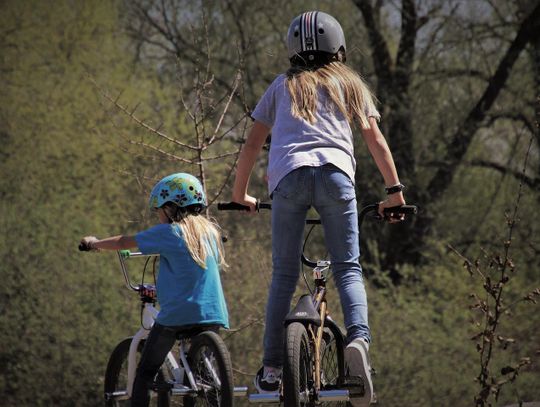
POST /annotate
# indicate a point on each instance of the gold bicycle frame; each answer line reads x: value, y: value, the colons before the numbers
x: 319, y: 298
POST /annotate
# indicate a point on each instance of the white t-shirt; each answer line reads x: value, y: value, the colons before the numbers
x: 298, y: 143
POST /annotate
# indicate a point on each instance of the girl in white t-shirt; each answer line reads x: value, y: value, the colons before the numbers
x: 309, y: 110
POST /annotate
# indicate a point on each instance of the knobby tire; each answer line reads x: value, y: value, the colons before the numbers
x: 210, y: 345
x: 116, y: 376
x: 298, y: 366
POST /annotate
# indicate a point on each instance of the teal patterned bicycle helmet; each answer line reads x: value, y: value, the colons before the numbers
x: 182, y: 189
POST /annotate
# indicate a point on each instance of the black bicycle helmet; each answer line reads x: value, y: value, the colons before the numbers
x: 315, y: 38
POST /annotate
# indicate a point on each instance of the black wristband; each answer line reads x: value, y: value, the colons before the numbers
x: 394, y: 189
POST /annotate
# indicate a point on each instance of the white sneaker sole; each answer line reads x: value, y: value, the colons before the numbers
x: 357, y: 359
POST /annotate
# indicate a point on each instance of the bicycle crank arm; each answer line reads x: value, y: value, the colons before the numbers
x: 117, y: 395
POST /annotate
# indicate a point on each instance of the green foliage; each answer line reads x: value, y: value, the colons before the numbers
x: 71, y: 166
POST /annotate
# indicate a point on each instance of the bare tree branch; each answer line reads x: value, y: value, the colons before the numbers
x: 140, y: 122
x: 533, y: 183
x: 381, y: 54
x: 464, y: 135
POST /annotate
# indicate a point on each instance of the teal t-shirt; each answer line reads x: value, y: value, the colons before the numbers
x: 187, y: 293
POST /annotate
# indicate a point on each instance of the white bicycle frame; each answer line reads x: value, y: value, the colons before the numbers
x: 149, y: 315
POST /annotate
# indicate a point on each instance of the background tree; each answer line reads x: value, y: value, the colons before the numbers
x: 74, y: 163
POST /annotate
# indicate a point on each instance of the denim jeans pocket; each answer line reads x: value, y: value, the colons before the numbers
x: 291, y: 184
x: 337, y: 184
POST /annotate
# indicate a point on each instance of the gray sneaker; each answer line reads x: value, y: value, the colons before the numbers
x: 267, y: 380
x: 357, y: 360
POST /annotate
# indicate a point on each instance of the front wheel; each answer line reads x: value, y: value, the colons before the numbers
x: 332, y: 362
x: 211, y: 365
x: 116, y: 377
x: 297, y: 367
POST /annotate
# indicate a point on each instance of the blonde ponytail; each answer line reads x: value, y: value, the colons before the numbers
x: 202, y: 238
x: 346, y: 89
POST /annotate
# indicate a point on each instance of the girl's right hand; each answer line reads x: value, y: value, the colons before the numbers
x: 247, y: 200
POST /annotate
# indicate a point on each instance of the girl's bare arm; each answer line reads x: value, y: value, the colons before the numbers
x: 119, y: 242
x: 380, y: 152
x: 246, y: 161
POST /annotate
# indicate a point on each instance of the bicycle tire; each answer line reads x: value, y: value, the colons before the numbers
x: 209, y: 345
x: 297, y: 367
x: 116, y: 376
x: 332, y: 362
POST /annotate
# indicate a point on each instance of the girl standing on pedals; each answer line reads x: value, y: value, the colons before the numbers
x: 188, y: 286
x: 310, y: 110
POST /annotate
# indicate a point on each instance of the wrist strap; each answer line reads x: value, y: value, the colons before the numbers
x: 394, y: 189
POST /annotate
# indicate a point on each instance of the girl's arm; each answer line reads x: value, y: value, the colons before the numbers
x: 380, y: 152
x: 119, y: 242
x: 246, y: 161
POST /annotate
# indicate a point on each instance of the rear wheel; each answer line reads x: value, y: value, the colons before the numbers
x: 298, y: 367
x: 211, y: 365
x: 116, y: 378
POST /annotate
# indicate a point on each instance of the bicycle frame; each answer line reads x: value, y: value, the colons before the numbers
x: 149, y: 314
x: 317, y: 314
x: 178, y: 371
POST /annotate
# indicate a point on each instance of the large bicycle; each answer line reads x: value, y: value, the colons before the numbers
x: 314, y: 371
x: 198, y: 373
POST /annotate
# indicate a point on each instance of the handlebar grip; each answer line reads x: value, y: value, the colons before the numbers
x: 404, y: 209
x: 125, y: 254
x: 84, y: 248
x: 234, y: 206
x: 231, y: 206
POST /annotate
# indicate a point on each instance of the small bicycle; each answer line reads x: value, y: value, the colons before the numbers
x: 314, y: 370
x: 200, y: 376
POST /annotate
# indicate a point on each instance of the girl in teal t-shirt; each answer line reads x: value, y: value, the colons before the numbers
x: 188, y: 285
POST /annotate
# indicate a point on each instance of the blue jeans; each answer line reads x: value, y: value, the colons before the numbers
x: 331, y: 192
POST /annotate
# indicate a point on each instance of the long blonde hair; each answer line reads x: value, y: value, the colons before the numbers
x: 201, y: 235
x: 346, y: 89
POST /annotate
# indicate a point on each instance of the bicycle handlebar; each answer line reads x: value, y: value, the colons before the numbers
x: 123, y: 255
x: 234, y: 206
x: 396, y: 210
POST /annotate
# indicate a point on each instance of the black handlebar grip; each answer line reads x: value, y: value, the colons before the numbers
x: 84, y: 247
x: 234, y: 206
x: 231, y: 206
x: 402, y: 209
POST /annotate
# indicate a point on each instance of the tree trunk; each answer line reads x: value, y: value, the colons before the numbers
x: 403, y: 243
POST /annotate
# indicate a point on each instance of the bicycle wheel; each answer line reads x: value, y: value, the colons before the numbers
x: 116, y: 377
x: 332, y: 363
x: 298, y: 367
x: 211, y: 365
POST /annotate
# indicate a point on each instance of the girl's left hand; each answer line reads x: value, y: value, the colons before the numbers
x: 88, y: 242
x: 392, y: 200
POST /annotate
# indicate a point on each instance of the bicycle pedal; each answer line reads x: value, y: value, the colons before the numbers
x: 355, y: 385
x: 162, y: 387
